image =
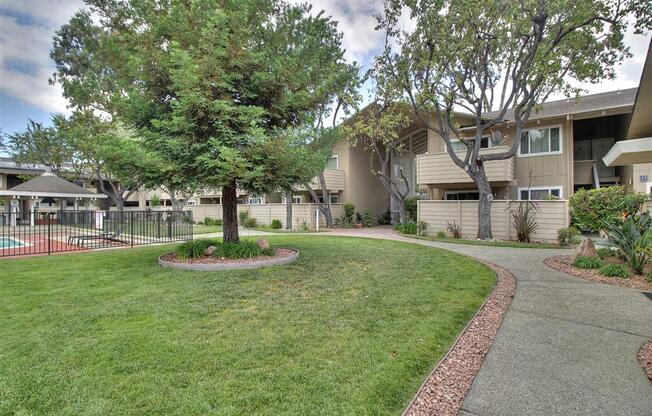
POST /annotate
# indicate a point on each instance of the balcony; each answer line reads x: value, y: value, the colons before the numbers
x: 439, y: 168
x: 334, y: 181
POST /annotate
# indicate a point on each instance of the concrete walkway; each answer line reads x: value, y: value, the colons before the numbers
x: 567, y: 346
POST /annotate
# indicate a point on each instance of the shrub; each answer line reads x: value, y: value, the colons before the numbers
x: 524, y: 219
x: 386, y: 218
x: 422, y: 228
x: 304, y: 226
x: 250, y: 222
x: 566, y: 236
x: 244, y: 215
x: 605, y: 252
x: 349, y: 212
x: 276, y: 224
x: 648, y: 277
x: 368, y: 218
x: 586, y: 262
x: 614, y: 270
x: 407, y: 228
x: 634, y: 240
x: 194, y: 248
x: 441, y: 234
x: 241, y: 250
x: 593, y: 209
x: 455, y: 229
x: 411, y: 204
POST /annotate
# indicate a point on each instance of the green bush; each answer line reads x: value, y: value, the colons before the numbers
x: 194, y: 248
x: 407, y: 228
x: 593, y: 209
x: 441, y: 234
x: 250, y: 222
x: 524, y: 220
x: 411, y: 204
x: 586, y: 262
x: 368, y: 219
x: 614, y: 270
x: 243, y: 215
x: 386, y: 218
x: 566, y: 236
x: 276, y: 224
x: 634, y: 240
x: 605, y: 252
x: 349, y: 212
x: 422, y: 228
x: 649, y: 277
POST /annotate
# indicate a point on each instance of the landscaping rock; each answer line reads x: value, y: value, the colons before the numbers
x: 262, y: 243
x: 587, y: 248
x: 210, y: 250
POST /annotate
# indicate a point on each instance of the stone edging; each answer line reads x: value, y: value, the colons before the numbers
x: 211, y: 267
x: 645, y: 357
x: 444, y: 390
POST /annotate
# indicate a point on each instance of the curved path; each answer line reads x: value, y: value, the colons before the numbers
x: 567, y: 346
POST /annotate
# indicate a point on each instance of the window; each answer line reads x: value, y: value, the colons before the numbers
x: 540, y: 142
x: 540, y: 193
x: 335, y: 199
x: 462, y: 195
x: 255, y: 200
x: 333, y: 162
x: 296, y: 199
x: 459, y: 146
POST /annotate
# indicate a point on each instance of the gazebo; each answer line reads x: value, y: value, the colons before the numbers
x: 47, y: 193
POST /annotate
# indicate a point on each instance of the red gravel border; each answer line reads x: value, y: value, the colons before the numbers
x: 444, y: 390
x: 645, y: 357
x: 565, y: 264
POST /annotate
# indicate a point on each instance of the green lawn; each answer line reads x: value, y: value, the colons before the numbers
x: 206, y: 229
x: 353, y: 327
x: 516, y: 244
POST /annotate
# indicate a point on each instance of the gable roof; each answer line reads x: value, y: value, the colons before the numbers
x: 48, y: 184
x: 584, y: 104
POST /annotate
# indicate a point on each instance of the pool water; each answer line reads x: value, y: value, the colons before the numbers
x: 6, y: 242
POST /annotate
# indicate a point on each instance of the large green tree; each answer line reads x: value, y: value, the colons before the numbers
x: 502, y: 55
x: 206, y: 83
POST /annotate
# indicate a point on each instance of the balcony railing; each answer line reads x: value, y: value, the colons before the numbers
x: 334, y: 180
x: 439, y: 168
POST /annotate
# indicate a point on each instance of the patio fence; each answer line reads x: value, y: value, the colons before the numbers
x: 26, y: 233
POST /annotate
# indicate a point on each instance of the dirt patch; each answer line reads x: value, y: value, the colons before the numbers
x: 565, y: 264
x: 444, y: 390
x: 645, y: 357
x: 280, y: 253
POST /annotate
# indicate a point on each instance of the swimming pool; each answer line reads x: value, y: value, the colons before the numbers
x: 7, y: 242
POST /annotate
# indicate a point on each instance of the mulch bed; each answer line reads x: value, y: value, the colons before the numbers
x: 444, y: 390
x: 645, y: 357
x: 280, y: 253
x: 565, y: 264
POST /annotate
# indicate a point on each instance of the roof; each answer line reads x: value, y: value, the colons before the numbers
x: 48, y: 184
x: 585, y: 104
x: 640, y: 124
x: 8, y: 165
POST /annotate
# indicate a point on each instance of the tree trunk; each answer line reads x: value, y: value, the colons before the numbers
x: 328, y: 212
x: 230, y: 213
x: 288, y: 210
x: 484, y: 208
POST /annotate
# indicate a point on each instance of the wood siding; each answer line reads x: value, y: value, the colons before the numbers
x: 439, y: 168
x: 334, y: 181
x: 550, y: 215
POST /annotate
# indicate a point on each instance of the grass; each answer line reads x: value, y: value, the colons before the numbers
x: 353, y: 327
x: 515, y: 244
x: 206, y: 229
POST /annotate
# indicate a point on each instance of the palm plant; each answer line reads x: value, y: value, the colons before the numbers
x: 634, y: 240
x: 525, y: 223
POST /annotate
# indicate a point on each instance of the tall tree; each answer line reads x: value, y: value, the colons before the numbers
x: 501, y: 55
x: 204, y: 83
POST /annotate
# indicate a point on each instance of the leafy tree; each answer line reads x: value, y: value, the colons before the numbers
x: 378, y: 129
x: 47, y: 145
x: 207, y: 84
x: 506, y: 56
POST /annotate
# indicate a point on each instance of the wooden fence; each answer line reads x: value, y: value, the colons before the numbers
x: 302, y: 214
x: 550, y: 215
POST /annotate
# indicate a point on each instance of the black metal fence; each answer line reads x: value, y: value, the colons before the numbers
x: 23, y: 233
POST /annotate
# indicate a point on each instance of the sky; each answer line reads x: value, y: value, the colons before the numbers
x: 27, y: 27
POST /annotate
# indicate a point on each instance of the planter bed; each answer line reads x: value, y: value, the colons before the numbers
x: 645, y: 357
x: 565, y: 264
x: 210, y: 263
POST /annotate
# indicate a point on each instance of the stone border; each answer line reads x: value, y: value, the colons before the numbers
x: 211, y: 267
x: 444, y: 390
x: 645, y: 357
x: 563, y: 264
